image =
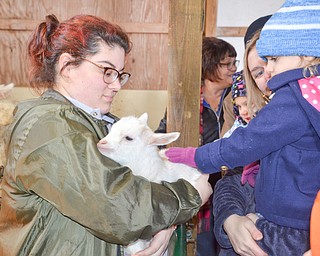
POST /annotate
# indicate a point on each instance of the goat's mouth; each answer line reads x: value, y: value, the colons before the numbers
x: 104, y: 151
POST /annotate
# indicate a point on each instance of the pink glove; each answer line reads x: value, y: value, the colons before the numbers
x: 249, y: 173
x: 181, y: 155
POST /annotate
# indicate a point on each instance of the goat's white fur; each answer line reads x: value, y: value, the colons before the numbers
x: 132, y: 143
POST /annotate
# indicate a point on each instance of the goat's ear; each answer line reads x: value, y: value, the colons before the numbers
x: 144, y: 118
x: 160, y: 139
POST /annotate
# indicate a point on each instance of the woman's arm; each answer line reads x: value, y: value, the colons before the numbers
x: 60, y: 164
x: 229, y: 198
x: 232, y: 201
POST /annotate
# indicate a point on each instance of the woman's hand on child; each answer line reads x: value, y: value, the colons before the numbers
x: 181, y: 155
x: 243, y: 235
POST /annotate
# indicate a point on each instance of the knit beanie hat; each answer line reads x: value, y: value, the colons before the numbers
x: 254, y: 27
x: 294, y: 30
x: 238, y: 88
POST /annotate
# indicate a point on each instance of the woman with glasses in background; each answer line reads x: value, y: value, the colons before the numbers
x: 218, y: 67
x: 61, y: 196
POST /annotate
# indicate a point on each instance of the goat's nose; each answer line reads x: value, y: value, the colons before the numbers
x: 102, y: 142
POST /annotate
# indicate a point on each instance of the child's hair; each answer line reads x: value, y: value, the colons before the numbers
x: 311, y: 68
x: 256, y: 99
x: 79, y: 36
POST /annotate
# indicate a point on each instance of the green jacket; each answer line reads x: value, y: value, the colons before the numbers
x: 61, y: 196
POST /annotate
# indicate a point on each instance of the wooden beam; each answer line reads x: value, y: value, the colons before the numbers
x: 141, y: 28
x: 211, y: 10
x: 231, y: 31
x: 184, y: 79
x: 30, y: 25
x: 184, y: 74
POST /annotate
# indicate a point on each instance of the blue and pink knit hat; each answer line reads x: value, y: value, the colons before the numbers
x: 294, y: 30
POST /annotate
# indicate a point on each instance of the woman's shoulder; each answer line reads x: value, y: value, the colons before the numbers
x: 39, y: 108
x: 47, y: 113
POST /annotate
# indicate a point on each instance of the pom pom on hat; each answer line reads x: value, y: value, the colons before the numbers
x: 294, y: 30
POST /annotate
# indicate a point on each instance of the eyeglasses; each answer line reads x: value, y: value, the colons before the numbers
x: 110, y: 74
x: 230, y: 65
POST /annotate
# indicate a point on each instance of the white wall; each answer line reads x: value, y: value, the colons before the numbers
x: 241, y: 13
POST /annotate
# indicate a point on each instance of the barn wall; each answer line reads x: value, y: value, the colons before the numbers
x: 145, y: 21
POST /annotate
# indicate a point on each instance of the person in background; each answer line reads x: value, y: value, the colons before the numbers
x: 287, y: 182
x: 258, y: 93
x: 61, y: 196
x: 228, y: 113
x: 240, y: 105
x: 218, y: 66
x: 234, y: 193
x: 315, y: 227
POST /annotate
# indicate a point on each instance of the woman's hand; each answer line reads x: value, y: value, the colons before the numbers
x: 203, y: 187
x: 158, y: 244
x: 243, y: 234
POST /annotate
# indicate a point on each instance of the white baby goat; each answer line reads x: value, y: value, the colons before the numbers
x: 132, y: 143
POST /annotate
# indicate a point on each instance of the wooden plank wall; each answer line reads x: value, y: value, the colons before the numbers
x: 146, y: 22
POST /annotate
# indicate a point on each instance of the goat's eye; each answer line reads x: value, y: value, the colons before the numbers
x: 128, y: 138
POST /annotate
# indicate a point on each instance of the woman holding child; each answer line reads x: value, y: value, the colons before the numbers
x: 288, y: 180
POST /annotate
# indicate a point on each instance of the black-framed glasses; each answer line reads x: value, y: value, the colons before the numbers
x: 231, y: 64
x: 110, y: 74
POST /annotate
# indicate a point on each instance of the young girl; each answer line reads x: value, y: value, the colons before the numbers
x: 239, y: 100
x: 285, y: 136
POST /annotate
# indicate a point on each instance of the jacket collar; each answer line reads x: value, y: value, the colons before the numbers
x: 52, y: 94
x: 286, y: 77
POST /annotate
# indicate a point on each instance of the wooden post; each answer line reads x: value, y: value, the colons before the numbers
x: 211, y: 10
x: 184, y: 79
x: 184, y: 74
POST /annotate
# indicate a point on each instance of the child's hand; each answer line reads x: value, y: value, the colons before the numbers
x: 181, y: 155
